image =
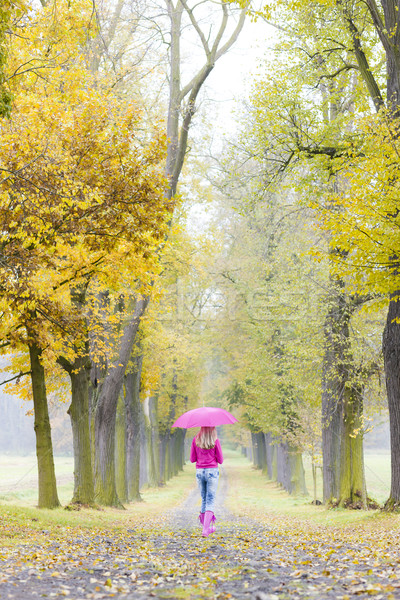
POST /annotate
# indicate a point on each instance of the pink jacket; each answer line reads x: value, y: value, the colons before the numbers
x: 206, y: 458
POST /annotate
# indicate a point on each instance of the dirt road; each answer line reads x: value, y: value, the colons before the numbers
x: 167, y: 558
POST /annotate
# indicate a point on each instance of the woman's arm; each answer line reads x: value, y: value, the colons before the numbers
x: 218, y: 453
x: 193, y: 451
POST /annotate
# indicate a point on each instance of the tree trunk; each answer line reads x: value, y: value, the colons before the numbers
x: 144, y: 458
x: 105, y: 414
x: 254, y: 447
x: 120, y: 451
x: 391, y: 354
x: 150, y: 411
x: 297, y: 484
x: 389, y: 34
x: 132, y: 413
x: 48, y: 497
x: 181, y: 435
x: 80, y: 422
x: 342, y: 407
x: 79, y: 410
x: 282, y: 471
x: 275, y: 462
x: 352, y: 489
x: 290, y: 469
x: 331, y: 430
x: 163, y: 447
x: 269, y: 452
x: 262, y: 454
x: 391, y: 335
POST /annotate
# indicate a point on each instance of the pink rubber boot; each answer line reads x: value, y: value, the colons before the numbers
x: 207, y: 522
x: 212, y: 524
x: 201, y: 519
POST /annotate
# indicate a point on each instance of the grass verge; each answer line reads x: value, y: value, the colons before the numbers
x: 252, y: 495
x: 156, y: 502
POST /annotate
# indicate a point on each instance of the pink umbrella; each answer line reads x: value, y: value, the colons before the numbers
x: 207, y: 416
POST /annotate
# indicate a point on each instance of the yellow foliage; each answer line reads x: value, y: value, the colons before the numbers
x: 82, y: 198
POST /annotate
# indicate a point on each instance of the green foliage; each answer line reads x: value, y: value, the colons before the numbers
x: 7, y: 9
x: 269, y: 326
x: 311, y: 118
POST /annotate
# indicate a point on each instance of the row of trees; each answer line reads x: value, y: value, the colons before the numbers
x: 316, y: 173
x: 108, y: 298
x: 87, y: 202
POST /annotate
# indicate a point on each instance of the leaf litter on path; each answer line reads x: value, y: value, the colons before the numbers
x: 268, y: 557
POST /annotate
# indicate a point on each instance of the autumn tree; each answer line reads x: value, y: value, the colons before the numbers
x: 268, y: 297
x: 372, y: 33
x: 177, y: 342
x: 96, y: 201
x: 182, y: 100
x: 303, y: 133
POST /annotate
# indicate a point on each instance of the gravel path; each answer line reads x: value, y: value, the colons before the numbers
x: 244, y: 559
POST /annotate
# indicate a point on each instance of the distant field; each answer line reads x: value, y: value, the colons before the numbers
x: 18, y: 478
x: 377, y: 475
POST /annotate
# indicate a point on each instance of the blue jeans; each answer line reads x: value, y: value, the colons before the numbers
x: 207, y: 480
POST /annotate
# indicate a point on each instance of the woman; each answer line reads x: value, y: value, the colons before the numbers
x: 206, y: 452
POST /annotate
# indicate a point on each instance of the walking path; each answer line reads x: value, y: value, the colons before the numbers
x: 268, y: 559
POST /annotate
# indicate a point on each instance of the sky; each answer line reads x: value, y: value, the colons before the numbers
x: 227, y: 87
x: 229, y: 83
x: 233, y: 75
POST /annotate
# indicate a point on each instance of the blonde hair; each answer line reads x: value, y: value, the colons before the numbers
x: 206, y: 437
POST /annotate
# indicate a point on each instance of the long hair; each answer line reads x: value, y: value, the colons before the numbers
x: 206, y: 437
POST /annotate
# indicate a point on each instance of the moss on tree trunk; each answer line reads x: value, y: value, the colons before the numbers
x: 79, y: 372
x: 342, y: 406
x: 120, y: 451
x: 132, y: 415
x: 48, y: 497
x: 391, y: 354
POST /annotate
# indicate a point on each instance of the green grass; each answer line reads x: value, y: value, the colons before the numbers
x: 377, y: 475
x: 251, y: 494
x: 156, y: 502
x: 249, y: 490
x: 18, y: 479
x: 188, y: 593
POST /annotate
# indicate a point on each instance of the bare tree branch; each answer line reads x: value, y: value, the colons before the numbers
x: 22, y: 374
x: 197, y: 27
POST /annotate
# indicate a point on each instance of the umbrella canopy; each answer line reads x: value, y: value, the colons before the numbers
x: 207, y: 416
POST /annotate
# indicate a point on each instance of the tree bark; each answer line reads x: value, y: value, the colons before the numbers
x: 105, y: 413
x: 48, y: 497
x: 254, y: 447
x: 342, y: 407
x: 290, y: 469
x: 390, y: 37
x: 80, y: 422
x: 352, y: 488
x: 181, y: 436
x: 391, y: 354
x: 144, y: 457
x: 389, y: 34
x: 269, y: 453
x: 150, y: 412
x: 120, y: 451
x: 132, y: 415
x: 164, y: 458
x: 79, y: 410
